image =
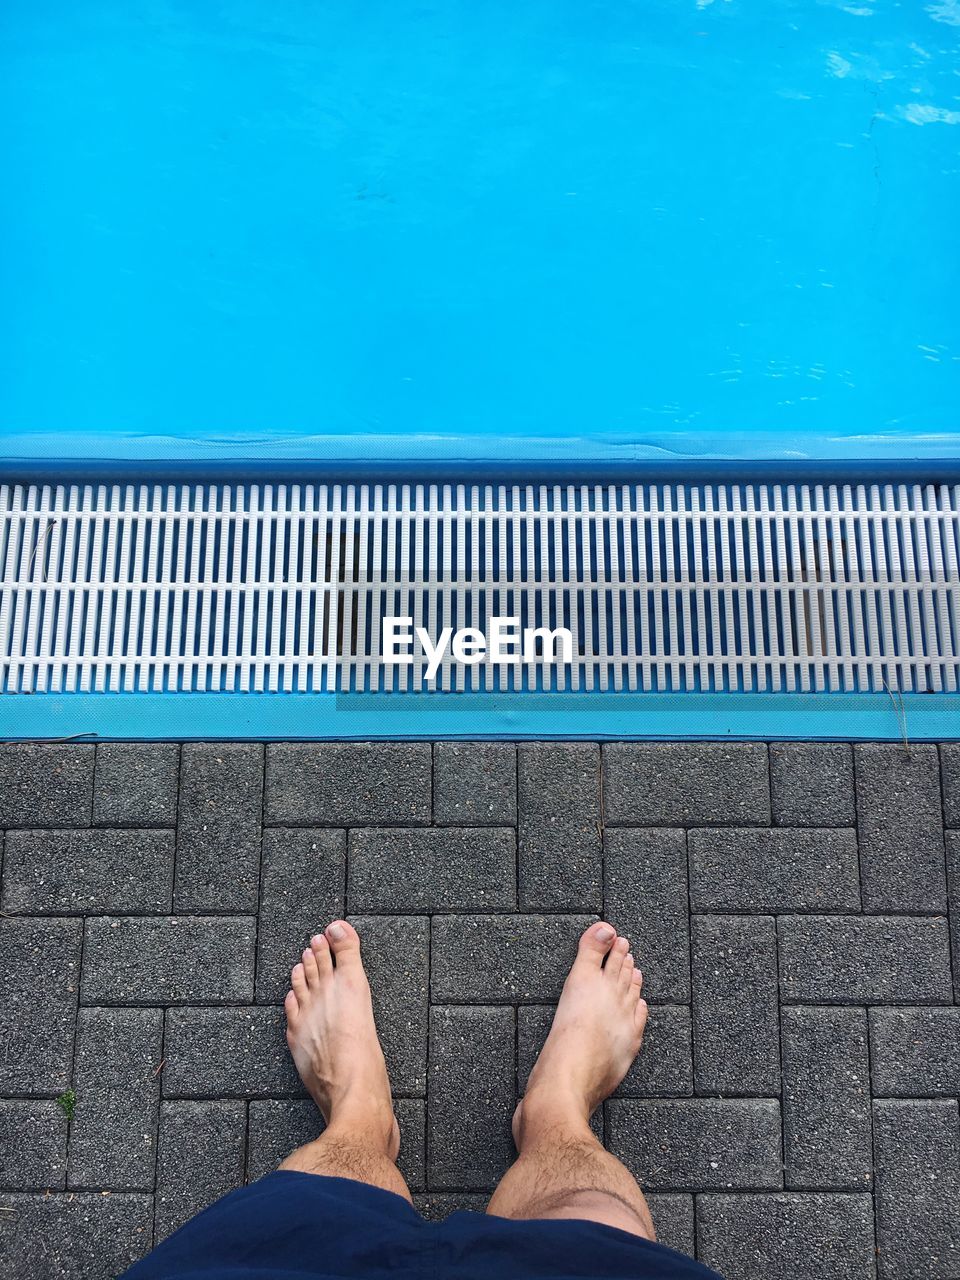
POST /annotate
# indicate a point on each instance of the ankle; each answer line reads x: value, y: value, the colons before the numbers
x: 553, y: 1115
x: 365, y: 1121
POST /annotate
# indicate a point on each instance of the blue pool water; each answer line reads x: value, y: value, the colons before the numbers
x: 479, y: 235
x: 553, y: 230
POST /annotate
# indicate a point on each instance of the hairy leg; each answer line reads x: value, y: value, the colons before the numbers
x: 334, y: 1043
x: 561, y: 1170
x: 348, y: 1158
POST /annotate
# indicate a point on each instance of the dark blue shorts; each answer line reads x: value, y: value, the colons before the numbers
x: 300, y: 1226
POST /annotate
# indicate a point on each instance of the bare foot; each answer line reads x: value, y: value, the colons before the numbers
x: 332, y: 1037
x: 596, y: 1034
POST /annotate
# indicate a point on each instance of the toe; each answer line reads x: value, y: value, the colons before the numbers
x: 298, y: 983
x: 626, y: 971
x: 595, y: 943
x: 641, y: 1015
x: 638, y: 978
x: 615, y: 959
x: 321, y: 952
x: 311, y: 972
x: 291, y: 1007
x: 344, y: 942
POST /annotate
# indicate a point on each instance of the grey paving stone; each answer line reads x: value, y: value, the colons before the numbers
x: 811, y: 784
x: 71, y: 871
x: 803, y: 1236
x: 239, y: 1053
x: 864, y: 960
x: 73, y: 1236
x: 200, y: 1158
x: 396, y: 954
x: 475, y: 784
x: 46, y: 785
x: 953, y: 890
x: 950, y: 775
x: 917, y: 1152
x: 561, y: 854
x: 471, y: 1097
x: 915, y: 1052
x: 168, y: 960
x: 219, y: 826
x: 663, y: 1068
x: 276, y: 1127
x: 349, y: 784
x: 685, y: 784
x: 698, y: 1144
x: 775, y: 870
x: 302, y: 888
x: 826, y: 1097
x: 40, y: 964
x: 113, y: 1138
x: 646, y: 898
x: 900, y: 826
x: 502, y: 959
x: 33, y: 1145
x: 438, y: 869
x: 437, y: 1205
x: 135, y: 784
x: 736, y: 1038
x: 672, y: 1214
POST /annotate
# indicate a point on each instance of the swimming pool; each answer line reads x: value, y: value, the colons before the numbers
x: 681, y: 253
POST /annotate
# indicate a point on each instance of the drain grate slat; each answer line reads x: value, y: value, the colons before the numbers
x: 663, y: 587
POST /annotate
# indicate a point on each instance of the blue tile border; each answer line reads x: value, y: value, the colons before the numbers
x: 261, y: 716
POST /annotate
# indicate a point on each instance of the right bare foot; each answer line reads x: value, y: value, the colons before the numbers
x: 332, y: 1037
x: 596, y: 1034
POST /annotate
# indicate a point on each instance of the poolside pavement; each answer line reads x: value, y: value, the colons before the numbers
x: 795, y: 1108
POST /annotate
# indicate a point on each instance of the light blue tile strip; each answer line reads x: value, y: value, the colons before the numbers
x: 917, y: 717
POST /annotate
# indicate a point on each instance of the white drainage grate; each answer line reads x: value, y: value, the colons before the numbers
x: 778, y: 587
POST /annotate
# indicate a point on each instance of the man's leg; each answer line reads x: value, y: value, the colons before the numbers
x: 562, y: 1171
x: 332, y: 1037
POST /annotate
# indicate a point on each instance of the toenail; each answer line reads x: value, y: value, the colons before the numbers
x: 316, y: 940
x: 336, y: 932
x: 605, y: 933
